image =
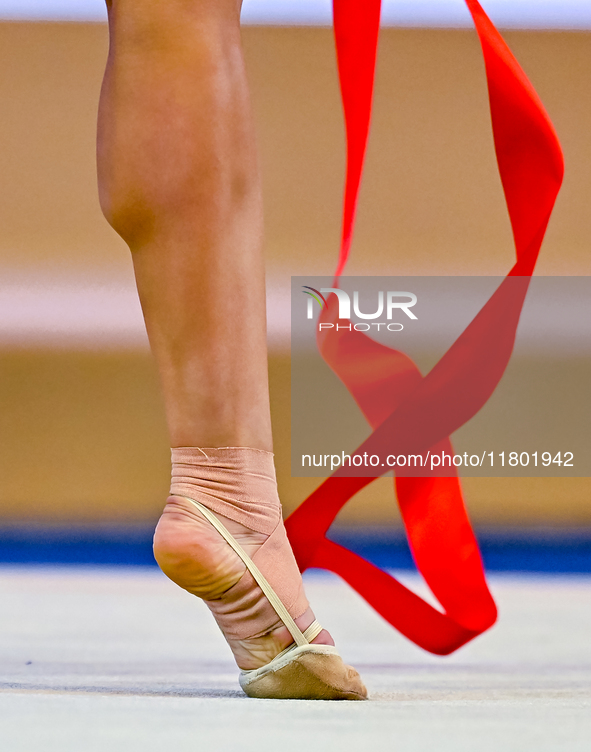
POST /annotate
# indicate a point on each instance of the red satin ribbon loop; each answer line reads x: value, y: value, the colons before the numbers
x: 412, y: 413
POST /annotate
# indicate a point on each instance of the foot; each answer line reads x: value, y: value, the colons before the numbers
x: 195, y: 556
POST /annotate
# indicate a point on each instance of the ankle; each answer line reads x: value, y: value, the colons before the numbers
x: 236, y: 482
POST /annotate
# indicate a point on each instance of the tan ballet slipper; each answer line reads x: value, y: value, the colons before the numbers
x: 256, y: 612
x: 309, y: 672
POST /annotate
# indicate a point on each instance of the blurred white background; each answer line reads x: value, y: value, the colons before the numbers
x: 532, y: 14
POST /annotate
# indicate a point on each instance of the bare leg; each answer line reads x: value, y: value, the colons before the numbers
x: 178, y: 180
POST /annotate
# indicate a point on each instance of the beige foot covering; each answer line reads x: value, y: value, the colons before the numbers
x: 302, y: 671
x: 237, y: 484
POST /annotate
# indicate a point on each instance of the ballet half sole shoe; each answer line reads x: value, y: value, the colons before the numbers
x: 309, y: 672
x: 303, y: 671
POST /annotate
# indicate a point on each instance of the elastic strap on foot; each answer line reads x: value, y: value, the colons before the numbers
x: 300, y: 638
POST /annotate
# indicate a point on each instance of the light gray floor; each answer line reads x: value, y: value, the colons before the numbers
x: 117, y: 660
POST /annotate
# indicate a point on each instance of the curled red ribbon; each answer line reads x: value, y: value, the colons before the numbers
x: 411, y: 413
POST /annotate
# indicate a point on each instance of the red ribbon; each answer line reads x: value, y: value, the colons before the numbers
x: 411, y: 413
